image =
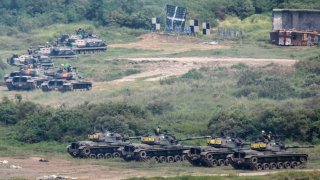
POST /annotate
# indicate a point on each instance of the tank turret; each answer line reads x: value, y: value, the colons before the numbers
x: 270, y: 153
x: 99, y: 145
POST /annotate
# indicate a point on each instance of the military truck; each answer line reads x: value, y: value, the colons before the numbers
x: 268, y: 154
x: 99, y: 145
x: 215, y: 153
x: 160, y: 147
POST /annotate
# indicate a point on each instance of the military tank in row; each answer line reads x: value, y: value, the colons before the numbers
x: 100, y: 145
x: 215, y: 153
x: 82, y: 42
x: 271, y: 154
x: 220, y: 151
x: 65, y: 79
x: 30, y: 78
x: 162, y: 147
x: 26, y: 78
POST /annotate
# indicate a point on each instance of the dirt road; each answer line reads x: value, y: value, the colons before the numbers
x: 31, y: 168
x: 158, y: 68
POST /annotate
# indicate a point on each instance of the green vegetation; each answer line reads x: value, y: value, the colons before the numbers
x: 240, y: 100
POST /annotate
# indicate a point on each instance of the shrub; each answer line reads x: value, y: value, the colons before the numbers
x: 192, y: 74
x: 159, y: 107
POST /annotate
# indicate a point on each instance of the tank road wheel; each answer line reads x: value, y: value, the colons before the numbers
x: 162, y: 159
x: 254, y: 160
x: 75, y: 154
x: 116, y: 155
x: 143, y: 154
x: 265, y: 166
x: 213, y: 163
x: 147, y: 158
x: 273, y: 166
x: 286, y: 164
x: 92, y: 156
x: 258, y: 167
x: 177, y: 158
x: 221, y: 162
x: 280, y: 165
x: 108, y: 156
x: 209, y: 156
x: 86, y: 151
x: 170, y: 159
x: 226, y: 162
x: 100, y: 156
x: 184, y: 157
x: 155, y: 158
x: 302, y: 162
x: 294, y: 164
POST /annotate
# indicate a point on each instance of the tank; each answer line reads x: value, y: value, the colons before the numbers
x: 45, y: 62
x: 99, y: 145
x: 268, y: 154
x: 21, y: 83
x: 215, y: 153
x: 65, y: 79
x: 65, y: 85
x: 19, y: 60
x: 82, y: 42
x: 160, y: 147
x: 24, y: 79
x: 62, y: 52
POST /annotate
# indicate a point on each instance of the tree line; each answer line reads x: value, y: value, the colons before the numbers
x: 26, y: 15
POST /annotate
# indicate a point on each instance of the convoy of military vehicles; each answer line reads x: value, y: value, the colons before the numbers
x: 37, y: 71
x: 267, y: 153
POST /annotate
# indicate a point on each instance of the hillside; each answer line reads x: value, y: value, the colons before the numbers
x: 147, y: 79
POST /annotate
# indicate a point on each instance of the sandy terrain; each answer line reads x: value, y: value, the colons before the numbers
x: 31, y: 168
x: 168, y: 44
x: 158, y: 68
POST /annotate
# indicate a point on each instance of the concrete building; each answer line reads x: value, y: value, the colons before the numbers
x: 298, y: 19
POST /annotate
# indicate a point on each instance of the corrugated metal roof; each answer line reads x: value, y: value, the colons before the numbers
x: 296, y: 10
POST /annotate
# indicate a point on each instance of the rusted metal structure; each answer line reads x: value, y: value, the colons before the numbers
x: 294, y: 38
x: 295, y: 27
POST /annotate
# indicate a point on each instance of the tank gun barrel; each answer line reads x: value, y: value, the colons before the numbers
x: 134, y: 137
x: 193, y: 138
x: 295, y: 147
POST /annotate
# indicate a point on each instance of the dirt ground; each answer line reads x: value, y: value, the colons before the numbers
x: 158, y: 68
x: 168, y: 44
x: 31, y: 168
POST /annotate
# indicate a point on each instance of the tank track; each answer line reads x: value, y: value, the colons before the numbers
x: 161, y: 156
x: 97, y: 153
x: 272, y: 162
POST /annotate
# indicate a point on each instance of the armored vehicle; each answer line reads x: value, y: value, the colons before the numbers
x: 161, y: 147
x: 45, y: 62
x: 62, y: 52
x: 215, y: 153
x: 21, y: 83
x: 82, y: 42
x: 24, y: 79
x: 268, y: 154
x: 64, y: 85
x: 99, y: 145
x: 19, y: 60
x: 65, y: 79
